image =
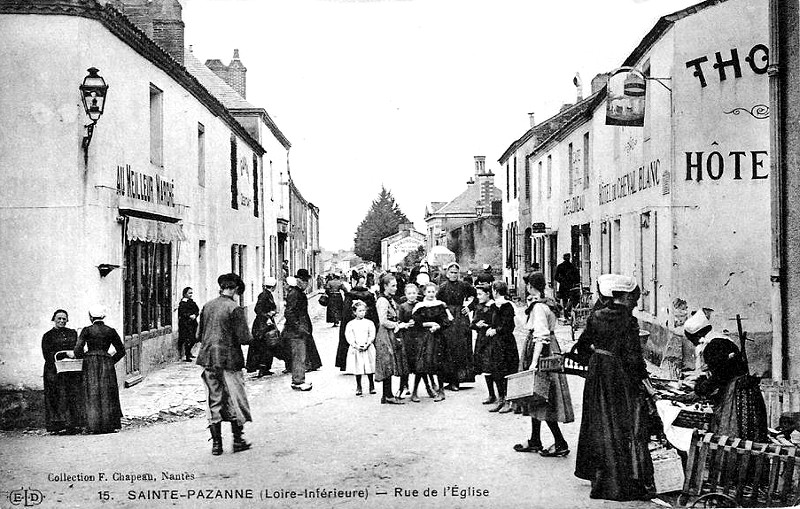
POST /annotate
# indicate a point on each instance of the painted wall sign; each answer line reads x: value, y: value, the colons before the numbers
x: 626, y: 95
x: 757, y: 59
x: 741, y: 165
x: 245, y: 187
x: 574, y: 204
x: 644, y: 177
x: 142, y: 186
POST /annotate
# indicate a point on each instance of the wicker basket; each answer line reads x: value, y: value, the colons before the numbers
x: 527, y: 384
x: 558, y: 363
x: 65, y: 364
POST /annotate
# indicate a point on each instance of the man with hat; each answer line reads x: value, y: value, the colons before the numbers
x: 222, y: 332
x: 569, y: 282
x: 298, y: 327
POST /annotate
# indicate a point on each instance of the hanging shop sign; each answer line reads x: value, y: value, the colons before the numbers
x: 626, y: 94
x: 538, y: 228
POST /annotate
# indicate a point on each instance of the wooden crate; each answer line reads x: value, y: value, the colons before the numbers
x: 780, y: 396
x: 753, y: 474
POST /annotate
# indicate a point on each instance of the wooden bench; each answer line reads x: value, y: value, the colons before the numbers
x: 751, y: 473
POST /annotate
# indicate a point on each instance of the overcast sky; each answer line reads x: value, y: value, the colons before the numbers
x: 403, y: 93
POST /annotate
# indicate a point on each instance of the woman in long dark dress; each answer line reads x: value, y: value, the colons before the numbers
x: 613, y: 442
x: 333, y: 289
x: 739, y: 409
x: 188, y: 311
x: 458, y: 296
x: 481, y: 322
x: 503, y: 356
x: 101, y: 392
x: 390, y: 355
x: 259, y: 353
x: 63, y: 392
x: 430, y: 319
x: 362, y: 293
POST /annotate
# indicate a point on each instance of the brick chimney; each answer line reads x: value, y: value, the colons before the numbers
x: 485, y: 179
x: 237, y: 75
x: 599, y: 81
x: 234, y: 74
x: 160, y: 20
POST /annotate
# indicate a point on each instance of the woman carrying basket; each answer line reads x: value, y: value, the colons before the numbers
x: 63, y: 391
x: 552, y: 402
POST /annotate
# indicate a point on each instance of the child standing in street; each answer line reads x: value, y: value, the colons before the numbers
x: 430, y: 317
x: 360, y: 335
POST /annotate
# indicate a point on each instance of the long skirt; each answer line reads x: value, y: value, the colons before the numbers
x: 390, y: 357
x: 429, y: 353
x: 333, y: 314
x: 411, y: 344
x: 558, y: 406
x: 742, y: 412
x: 613, y: 443
x: 457, y: 361
x: 101, y: 393
x: 225, y: 396
x: 63, y: 399
x: 313, y: 360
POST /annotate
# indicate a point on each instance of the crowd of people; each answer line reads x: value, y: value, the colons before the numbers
x: 407, y: 326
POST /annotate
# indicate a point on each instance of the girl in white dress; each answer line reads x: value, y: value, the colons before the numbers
x: 360, y: 335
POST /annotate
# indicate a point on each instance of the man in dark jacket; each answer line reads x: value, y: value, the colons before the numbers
x: 223, y: 330
x: 486, y: 277
x: 569, y: 282
x: 297, y: 328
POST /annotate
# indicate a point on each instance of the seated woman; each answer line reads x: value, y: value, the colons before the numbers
x: 739, y: 409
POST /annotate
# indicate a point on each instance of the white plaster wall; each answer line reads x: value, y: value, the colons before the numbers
x: 723, y: 229
x: 57, y: 221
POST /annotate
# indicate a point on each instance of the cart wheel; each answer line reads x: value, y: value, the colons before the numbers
x: 715, y: 500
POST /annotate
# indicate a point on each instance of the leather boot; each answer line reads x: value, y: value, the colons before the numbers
x: 216, y: 438
x: 239, y: 443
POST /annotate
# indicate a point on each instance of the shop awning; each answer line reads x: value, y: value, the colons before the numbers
x: 148, y: 230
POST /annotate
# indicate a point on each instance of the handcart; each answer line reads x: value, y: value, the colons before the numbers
x: 729, y: 472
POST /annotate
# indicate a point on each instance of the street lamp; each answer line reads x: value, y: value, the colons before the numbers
x: 93, y: 93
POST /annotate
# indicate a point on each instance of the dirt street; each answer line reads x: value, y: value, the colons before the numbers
x: 326, y: 443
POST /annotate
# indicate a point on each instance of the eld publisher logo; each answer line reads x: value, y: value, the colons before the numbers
x: 25, y: 497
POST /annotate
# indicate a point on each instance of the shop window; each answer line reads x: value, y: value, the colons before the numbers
x: 148, y: 286
x: 201, y: 155
x: 156, y: 126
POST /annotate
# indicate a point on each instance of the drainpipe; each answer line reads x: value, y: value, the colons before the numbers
x: 777, y: 198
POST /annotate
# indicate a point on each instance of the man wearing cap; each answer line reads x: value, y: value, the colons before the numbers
x: 222, y: 332
x: 298, y: 327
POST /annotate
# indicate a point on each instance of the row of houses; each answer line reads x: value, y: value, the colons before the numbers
x: 681, y: 202
x: 179, y: 180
